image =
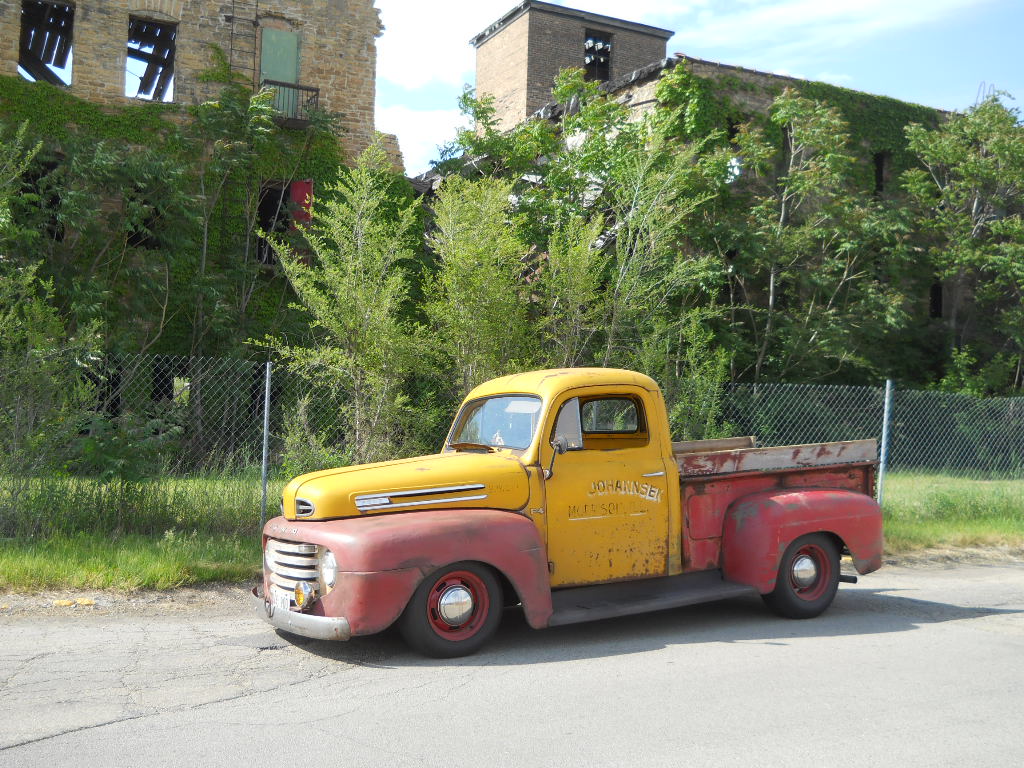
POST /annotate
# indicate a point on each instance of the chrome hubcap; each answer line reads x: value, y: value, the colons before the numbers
x: 805, y: 571
x: 455, y: 606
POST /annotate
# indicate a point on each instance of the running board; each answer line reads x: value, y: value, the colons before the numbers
x: 624, y: 598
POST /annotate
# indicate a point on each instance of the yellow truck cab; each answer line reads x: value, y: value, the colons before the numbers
x: 562, y: 491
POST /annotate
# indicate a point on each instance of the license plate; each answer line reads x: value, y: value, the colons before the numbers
x: 281, y: 600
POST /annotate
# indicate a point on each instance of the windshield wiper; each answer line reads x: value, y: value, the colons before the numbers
x: 471, y: 447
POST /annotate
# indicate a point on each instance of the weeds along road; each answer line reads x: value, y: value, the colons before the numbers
x: 913, y: 666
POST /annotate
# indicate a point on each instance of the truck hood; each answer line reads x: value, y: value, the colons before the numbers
x: 443, y: 481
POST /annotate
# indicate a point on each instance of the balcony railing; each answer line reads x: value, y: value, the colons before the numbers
x: 293, y: 102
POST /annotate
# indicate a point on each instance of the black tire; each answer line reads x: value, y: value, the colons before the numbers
x: 425, y: 627
x: 798, y: 594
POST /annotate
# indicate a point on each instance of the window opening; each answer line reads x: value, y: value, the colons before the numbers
x: 611, y: 415
x: 282, y: 208
x: 935, y: 300
x: 141, y: 219
x: 149, y: 67
x: 597, y: 55
x: 45, y: 50
x: 272, y: 216
x: 881, y: 161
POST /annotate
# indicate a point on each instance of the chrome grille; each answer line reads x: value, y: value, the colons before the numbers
x: 304, y: 508
x: 291, y: 562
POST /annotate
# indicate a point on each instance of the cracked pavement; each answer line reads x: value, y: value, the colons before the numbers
x: 920, y: 666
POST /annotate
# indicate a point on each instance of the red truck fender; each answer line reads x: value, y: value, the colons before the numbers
x: 383, y: 558
x: 759, y: 527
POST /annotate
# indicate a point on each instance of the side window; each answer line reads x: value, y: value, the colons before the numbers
x: 612, y: 415
x: 614, y: 422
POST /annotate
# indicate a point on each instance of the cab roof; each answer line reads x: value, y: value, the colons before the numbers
x: 550, y: 382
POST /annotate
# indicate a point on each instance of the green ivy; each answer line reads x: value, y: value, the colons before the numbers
x: 65, y: 124
x: 696, y: 106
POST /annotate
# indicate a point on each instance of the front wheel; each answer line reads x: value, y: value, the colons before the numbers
x: 808, y: 578
x: 453, y: 612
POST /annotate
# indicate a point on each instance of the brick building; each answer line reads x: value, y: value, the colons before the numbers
x: 518, y: 56
x: 317, y: 53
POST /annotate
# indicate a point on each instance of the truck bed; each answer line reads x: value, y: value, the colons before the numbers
x: 701, y: 458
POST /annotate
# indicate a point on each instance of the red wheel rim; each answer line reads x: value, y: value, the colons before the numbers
x: 822, y: 564
x: 481, y: 605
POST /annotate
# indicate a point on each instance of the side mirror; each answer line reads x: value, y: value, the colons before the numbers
x: 568, y: 432
x: 558, y: 445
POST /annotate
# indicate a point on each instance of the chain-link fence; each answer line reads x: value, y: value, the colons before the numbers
x: 932, y: 432
x: 153, y: 415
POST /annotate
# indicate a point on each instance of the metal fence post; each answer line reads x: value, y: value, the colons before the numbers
x: 883, y: 459
x: 266, y: 443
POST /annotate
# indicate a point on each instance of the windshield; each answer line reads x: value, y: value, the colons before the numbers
x: 507, y: 421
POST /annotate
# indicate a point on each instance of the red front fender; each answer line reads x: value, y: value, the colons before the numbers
x: 383, y: 558
x: 759, y: 527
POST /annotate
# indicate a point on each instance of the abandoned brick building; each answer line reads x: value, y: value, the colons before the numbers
x: 316, y: 53
x: 519, y: 55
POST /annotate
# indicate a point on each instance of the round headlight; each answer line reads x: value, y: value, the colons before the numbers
x: 328, y: 569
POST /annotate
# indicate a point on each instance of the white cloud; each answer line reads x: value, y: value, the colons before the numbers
x: 420, y: 132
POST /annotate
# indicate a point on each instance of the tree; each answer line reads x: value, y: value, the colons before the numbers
x: 43, y: 395
x: 969, y: 202
x: 805, y: 249
x: 478, y: 301
x: 354, y: 284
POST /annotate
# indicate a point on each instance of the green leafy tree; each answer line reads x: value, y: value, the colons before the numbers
x: 478, y: 301
x: 354, y: 283
x: 969, y: 200
x: 571, y: 286
x: 806, y: 246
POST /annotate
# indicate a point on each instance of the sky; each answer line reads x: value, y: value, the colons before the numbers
x: 940, y: 53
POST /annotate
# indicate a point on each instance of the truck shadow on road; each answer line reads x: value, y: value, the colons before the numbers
x: 740, y: 620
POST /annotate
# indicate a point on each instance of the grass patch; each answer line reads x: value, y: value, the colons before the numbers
x: 53, y: 506
x: 92, y: 561
x: 79, y: 533
x: 924, y: 511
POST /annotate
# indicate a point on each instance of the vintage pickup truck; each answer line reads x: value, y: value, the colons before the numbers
x: 562, y: 491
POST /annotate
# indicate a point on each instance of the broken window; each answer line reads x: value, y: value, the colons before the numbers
x: 44, y: 52
x: 283, y: 208
x: 597, y: 55
x: 149, y: 67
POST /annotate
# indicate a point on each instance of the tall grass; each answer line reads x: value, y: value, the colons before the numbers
x: 71, y: 532
x: 33, y: 507
x: 93, y: 561
x: 923, y: 511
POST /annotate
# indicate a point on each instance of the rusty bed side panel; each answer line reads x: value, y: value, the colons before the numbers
x: 759, y: 527
x: 706, y: 499
x: 784, y: 457
x: 382, y: 559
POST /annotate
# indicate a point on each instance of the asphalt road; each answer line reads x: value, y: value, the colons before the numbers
x: 913, y: 666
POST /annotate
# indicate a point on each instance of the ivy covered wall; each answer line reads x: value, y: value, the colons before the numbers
x: 145, y: 216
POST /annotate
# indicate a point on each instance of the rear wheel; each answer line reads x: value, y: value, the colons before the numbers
x: 453, y: 612
x: 808, y: 578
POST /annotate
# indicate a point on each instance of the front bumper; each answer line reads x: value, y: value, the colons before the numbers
x: 305, y: 624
